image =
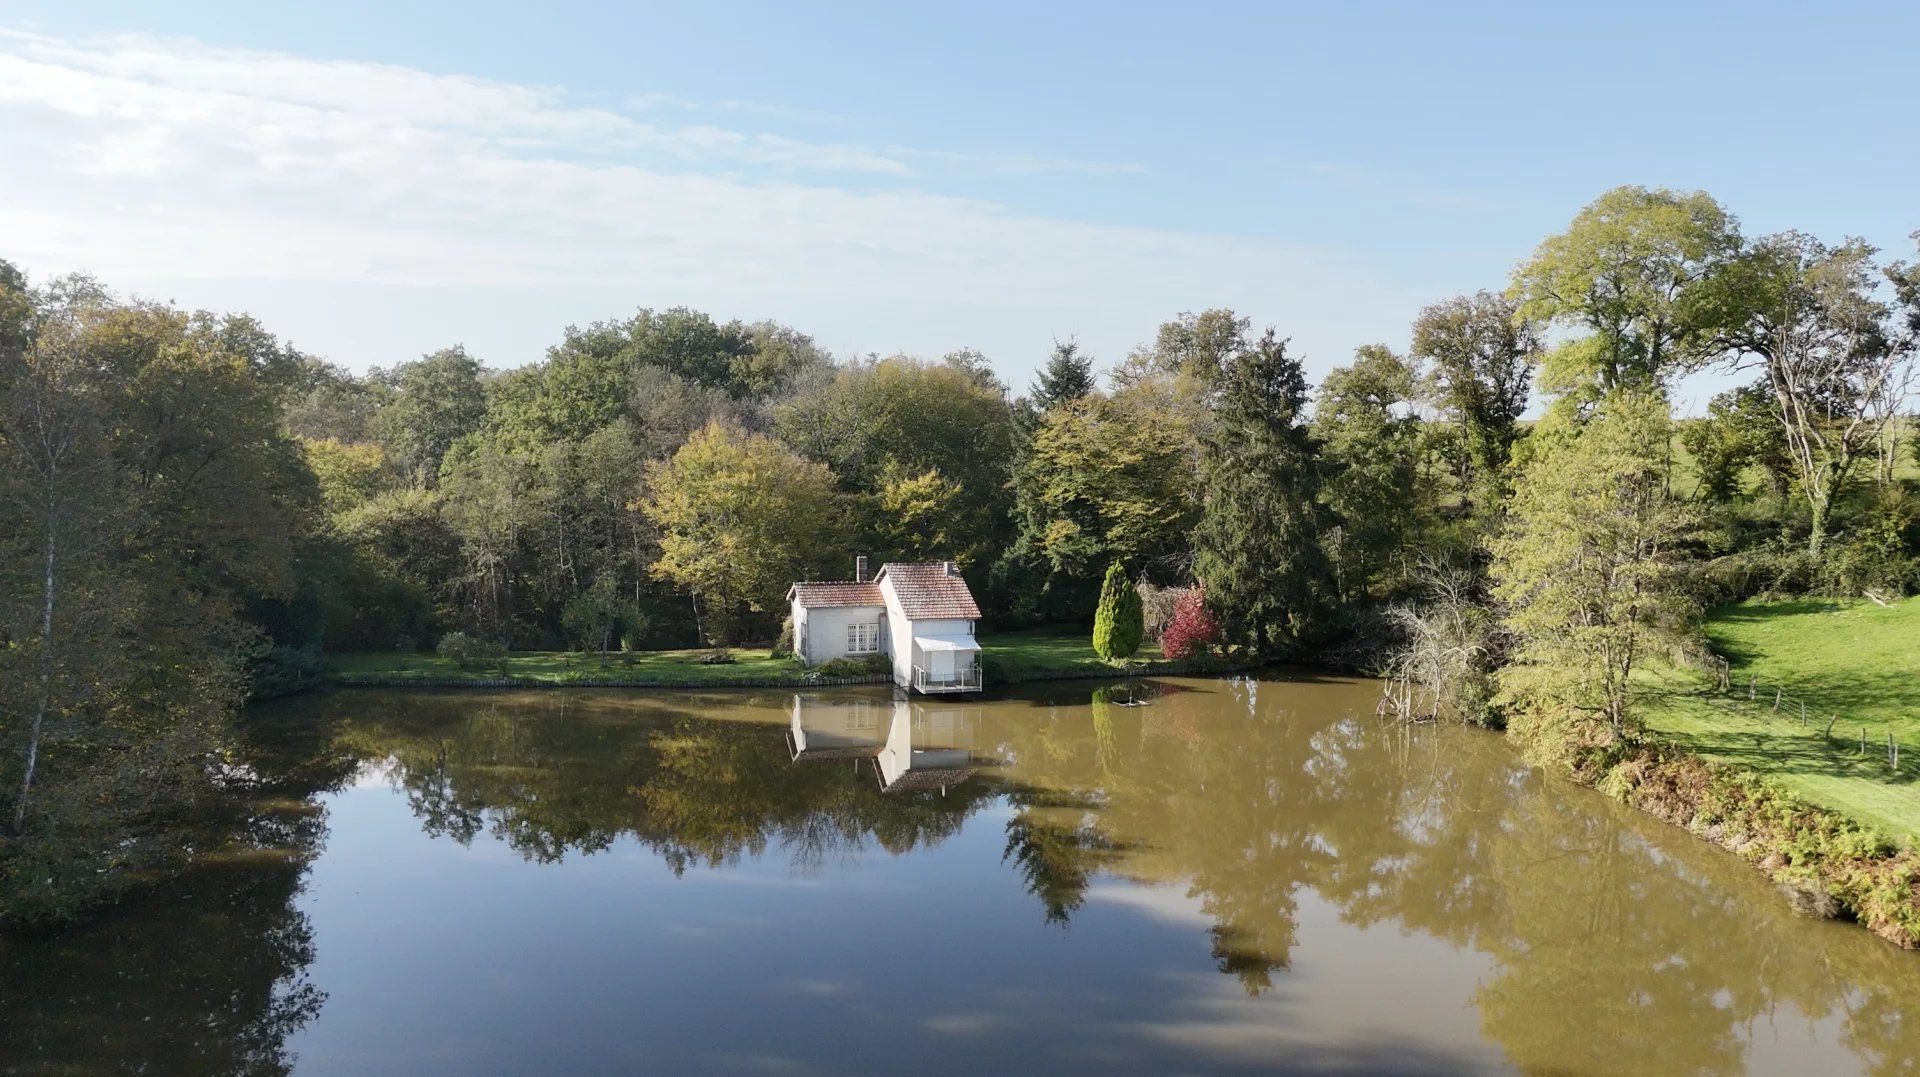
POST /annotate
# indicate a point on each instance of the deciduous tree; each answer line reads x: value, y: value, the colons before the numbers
x: 1807, y: 315
x: 1108, y: 478
x: 1369, y: 437
x: 741, y: 517
x: 437, y: 400
x: 1629, y: 272
x: 1591, y: 569
x: 1480, y: 353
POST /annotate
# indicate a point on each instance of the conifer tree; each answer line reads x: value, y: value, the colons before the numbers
x: 1119, y: 622
x: 1257, y: 548
x: 1067, y: 377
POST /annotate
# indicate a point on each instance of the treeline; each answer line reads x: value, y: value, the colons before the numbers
x: 193, y: 510
x: 660, y: 481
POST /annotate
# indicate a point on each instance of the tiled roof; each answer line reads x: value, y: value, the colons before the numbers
x: 927, y: 592
x: 928, y: 778
x: 817, y: 595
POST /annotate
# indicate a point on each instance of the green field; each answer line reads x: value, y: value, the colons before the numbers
x: 1008, y: 656
x: 1854, y: 661
x: 1684, y: 474
x: 1049, y: 651
x: 560, y: 667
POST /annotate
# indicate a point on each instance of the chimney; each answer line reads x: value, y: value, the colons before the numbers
x: 953, y: 568
x: 860, y: 569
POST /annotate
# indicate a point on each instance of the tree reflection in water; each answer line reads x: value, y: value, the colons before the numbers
x: 1619, y: 946
x: 209, y: 973
x: 554, y: 776
x: 1612, y: 943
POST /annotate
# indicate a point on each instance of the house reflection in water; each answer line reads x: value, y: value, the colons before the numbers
x: 912, y: 744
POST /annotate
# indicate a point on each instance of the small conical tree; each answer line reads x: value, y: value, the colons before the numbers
x: 1119, y: 623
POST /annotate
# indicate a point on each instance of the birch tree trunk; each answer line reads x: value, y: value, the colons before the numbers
x: 36, y: 727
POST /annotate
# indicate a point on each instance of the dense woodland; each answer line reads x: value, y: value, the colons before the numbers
x: 192, y: 511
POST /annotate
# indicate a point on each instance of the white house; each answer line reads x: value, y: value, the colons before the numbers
x: 921, y: 617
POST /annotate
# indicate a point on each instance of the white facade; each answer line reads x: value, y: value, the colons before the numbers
x: 927, y: 654
x: 824, y: 633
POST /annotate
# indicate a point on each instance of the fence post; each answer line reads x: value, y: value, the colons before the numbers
x: 1753, y: 685
x: 1803, y: 713
x: 1776, y: 701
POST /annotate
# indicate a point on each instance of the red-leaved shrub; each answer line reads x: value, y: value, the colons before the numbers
x: 1193, y: 630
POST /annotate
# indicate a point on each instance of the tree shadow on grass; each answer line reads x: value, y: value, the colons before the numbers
x: 1749, y: 734
x: 1880, y: 696
x: 1760, y: 613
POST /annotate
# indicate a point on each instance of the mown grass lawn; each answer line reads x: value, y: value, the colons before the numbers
x: 1049, y: 650
x: 1007, y: 655
x: 1855, y: 660
x: 560, y: 667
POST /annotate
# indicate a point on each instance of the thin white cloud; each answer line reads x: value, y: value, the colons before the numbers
x: 1018, y: 163
x: 146, y: 159
x: 153, y: 79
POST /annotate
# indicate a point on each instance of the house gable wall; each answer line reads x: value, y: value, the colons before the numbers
x: 820, y: 633
x: 899, y: 636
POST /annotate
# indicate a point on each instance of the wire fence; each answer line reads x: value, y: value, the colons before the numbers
x: 1403, y: 699
x: 1771, y: 703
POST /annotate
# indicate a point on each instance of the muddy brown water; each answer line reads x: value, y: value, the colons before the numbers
x: 1227, y: 875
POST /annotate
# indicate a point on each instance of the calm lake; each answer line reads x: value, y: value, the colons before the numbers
x: 1229, y: 875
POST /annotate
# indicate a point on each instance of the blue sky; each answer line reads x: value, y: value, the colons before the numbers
x: 897, y: 177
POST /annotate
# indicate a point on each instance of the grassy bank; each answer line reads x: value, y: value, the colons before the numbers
x: 1797, y: 797
x: 1008, y: 657
x: 1829, y: 864
x: 682, y: 667
x: 1856, y: 665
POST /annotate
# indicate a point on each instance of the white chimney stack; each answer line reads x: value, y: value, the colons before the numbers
x: 860, y: 569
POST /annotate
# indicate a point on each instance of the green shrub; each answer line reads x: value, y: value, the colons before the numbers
x: 468, y: 651
x: 856, y: 666
x: 282, y: 671
x: 1876, y: 553
x: 600, y: 617
x: 783, y: 646
x: 1827, y: 863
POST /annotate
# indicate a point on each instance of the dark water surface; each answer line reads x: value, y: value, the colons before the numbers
x: 1236, y: 875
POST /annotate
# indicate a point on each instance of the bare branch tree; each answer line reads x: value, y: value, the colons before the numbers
x: 1810, y: 317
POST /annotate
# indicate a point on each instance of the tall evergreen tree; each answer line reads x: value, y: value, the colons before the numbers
x: 1118, y: 622
x: 1258, y: 546
x: 1067, y: 377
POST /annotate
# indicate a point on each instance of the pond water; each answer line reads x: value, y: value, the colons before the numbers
x: 1231, y: 875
